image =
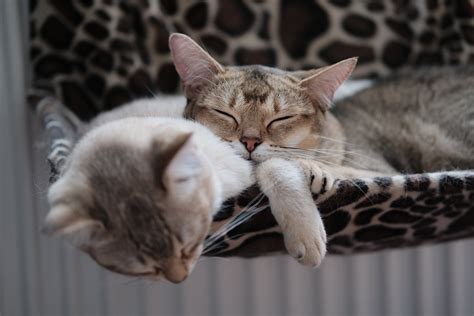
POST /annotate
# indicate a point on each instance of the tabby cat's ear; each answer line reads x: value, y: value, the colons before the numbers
x: 194, y: 65
x: 303, y: 74
x: 65, y: 220
x: 322, y: 85
x: 178, y: 165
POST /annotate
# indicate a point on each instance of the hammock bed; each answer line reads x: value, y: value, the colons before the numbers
x: 91, y: 56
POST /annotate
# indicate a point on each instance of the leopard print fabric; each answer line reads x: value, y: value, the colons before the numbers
x: 368, y: 215
x: 93, y: 55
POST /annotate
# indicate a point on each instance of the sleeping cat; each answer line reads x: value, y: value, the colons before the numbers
x: 416, y: 121
x: 420, y: 121
x: 267, y: 115
x: 139, y: 191
x: 266, y: 112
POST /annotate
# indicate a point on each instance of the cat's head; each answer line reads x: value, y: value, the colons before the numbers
x: 256, y: 107
x: 137, y: 203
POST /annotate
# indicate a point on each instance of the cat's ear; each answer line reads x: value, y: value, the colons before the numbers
x: 64, y: 220
x: 303, y: 74
x: 194, y: 65
x: 177, y: 165
x: 322, y: 85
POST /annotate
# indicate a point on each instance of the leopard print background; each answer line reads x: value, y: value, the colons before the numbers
x: 97, y: 54
x: 93, y: 55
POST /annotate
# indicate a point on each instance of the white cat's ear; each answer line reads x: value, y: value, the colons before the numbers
x: 178, y: 165
x: 193, y: 64
x: 64, y: 220
x: 322, y: 85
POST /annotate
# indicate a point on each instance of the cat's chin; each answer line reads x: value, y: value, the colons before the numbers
x: 258, y: 156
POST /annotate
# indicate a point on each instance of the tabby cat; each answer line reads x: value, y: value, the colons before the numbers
x: 416, y: 121
x: 268, y: 115
x: 419, y: 121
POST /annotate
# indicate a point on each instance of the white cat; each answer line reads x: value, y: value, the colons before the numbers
x: 139, y: 191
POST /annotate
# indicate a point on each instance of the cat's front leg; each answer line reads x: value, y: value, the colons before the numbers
x: 288, y: 190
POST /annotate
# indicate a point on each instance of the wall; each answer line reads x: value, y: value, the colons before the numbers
x: 43, y: 276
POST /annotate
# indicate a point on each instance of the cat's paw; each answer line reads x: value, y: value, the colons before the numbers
x: 306, y: 242
x: 321, y: 179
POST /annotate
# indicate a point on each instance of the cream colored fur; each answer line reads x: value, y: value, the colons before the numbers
x: 187, y: 205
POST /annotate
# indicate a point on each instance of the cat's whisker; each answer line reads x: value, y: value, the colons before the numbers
x: 226, y: 228
x: 243, y: 216
x: 348, y: 159
x: 356, y: 163
x: 349, y: 152
x: 215, y: 246
x: 211, y: 248
x: 254, y: 202
x: 338, y: 141
x: 314, y: 154
x: 335, y: 140
x: 294, y: 154
x: 345, y: 150
x: 235, y: 236
x: 151, y: 91
x: 343, y: 153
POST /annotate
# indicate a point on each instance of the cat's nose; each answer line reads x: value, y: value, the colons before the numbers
x: 177, y: 274
x: 250, y: 142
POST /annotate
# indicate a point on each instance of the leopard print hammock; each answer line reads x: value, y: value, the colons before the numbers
x: 93, y: 55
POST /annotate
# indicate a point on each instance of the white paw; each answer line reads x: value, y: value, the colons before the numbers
x: 321, y: 181
x: 306, y: 241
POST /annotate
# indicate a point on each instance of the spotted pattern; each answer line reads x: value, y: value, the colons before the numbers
x: 376, y: 214
x: 103, y: 53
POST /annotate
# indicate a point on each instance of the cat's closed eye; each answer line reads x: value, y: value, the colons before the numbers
x: 226, y: 115
x: 280, y: 119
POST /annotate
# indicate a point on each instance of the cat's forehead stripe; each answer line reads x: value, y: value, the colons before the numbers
x: 232, y: 100
x: 255, y: 96
x: 258, y: 73
x: 255, y: 86
x: 276, y: 104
